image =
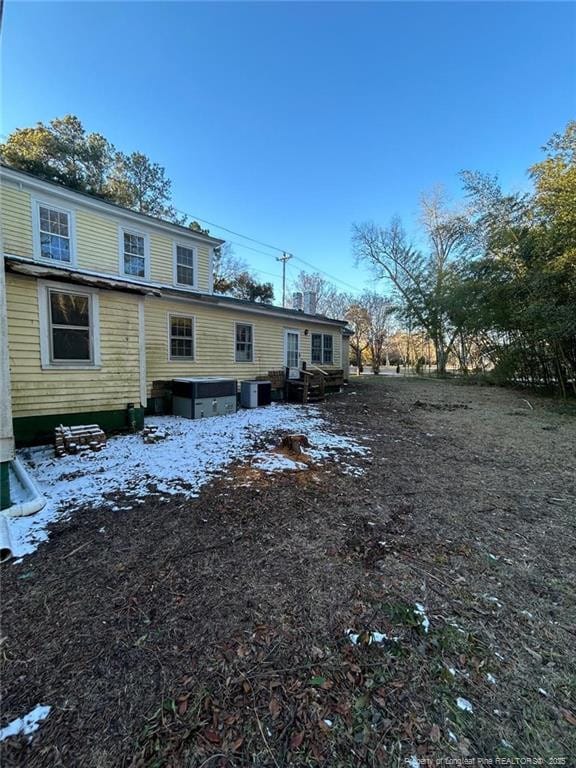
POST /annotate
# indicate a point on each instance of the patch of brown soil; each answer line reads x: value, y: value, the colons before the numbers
x: 215, y: 631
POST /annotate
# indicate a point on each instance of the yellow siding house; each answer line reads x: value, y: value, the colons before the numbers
x: 105, y: 305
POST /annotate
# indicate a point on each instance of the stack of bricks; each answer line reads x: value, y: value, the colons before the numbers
x: 75, y: 439
x: 152, y: 434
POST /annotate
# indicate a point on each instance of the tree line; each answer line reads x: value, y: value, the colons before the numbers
x: 494, y: 284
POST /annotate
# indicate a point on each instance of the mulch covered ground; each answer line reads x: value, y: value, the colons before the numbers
x: 216, y: 631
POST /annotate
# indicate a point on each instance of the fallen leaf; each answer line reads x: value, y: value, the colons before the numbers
x: 237, y: 744
x: 316, y: 751
x: 435, y: 734
x: 464, y: 747
x: 274, y: 707
x: 211, y: 736
x: 569, y: 716
x: 296, y: 739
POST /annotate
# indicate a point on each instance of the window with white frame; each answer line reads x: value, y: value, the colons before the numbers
x: 68, y: 322
x: 322, y: 348
x: 54, y: 230
x: 244, y: 343
x: 184, y: 259
x: 133, y: 253
x: 181, y: 337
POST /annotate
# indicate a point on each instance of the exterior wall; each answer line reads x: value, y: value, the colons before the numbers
x: 346, y: 356
x: 97, y: 237
x: 49, y: 392
x: 16, y: 221
x: 133, y: 332
x: 215, y: 341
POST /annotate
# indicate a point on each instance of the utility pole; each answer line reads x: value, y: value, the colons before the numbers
x: 284, y: 258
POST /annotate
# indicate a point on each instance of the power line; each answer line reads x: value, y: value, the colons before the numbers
x: 250, y: 248
x: 232, y: 232
x: 327, y: 274
x: 333, y: 278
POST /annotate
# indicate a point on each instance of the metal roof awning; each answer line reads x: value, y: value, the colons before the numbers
x: 44, y: 271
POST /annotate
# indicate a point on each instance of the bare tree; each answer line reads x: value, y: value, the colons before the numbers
x: 329, y: 300
x: 379, y: 310
x: 422, y: 281
x: 227, y: 267
x: 358, y: 320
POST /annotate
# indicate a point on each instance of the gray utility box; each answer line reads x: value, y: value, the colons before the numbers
x: 255, y: 393
x: 199, y: 398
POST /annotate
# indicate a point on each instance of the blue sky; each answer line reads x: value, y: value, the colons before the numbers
x: 289, y: 121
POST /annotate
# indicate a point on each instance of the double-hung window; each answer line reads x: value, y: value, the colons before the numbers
x: 181, y: 337
x: 133, y: 253
x: 322, y: 348
x: 244, y: 343
x: 54, y: 233
x: 68, y: 326
x: 185, y: 265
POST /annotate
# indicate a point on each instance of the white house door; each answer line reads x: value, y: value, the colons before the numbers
x: 292, y: 350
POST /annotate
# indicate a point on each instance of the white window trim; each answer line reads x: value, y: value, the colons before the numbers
x: 46, y: 202
x: 169, y: 330
x: 132, y: 231
x: 322, y: 335
x: 244, y: 362
x: 44, y: 308
x: 194, y: 249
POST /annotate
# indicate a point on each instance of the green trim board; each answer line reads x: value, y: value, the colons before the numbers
x: 4, y: 485
x: 36, y: 430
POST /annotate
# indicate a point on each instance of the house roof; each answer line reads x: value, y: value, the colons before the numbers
x: 26, y: 266
x: 219, y: 298
x: 94, y: 200
x: 76, y: 275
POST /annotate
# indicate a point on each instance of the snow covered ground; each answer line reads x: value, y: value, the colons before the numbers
x: 191, y: 454
x: 25, y: 725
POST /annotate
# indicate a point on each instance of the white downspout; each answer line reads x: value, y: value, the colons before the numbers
x: 142, y: 352
x: 6, y: 431
x: 7, y: 453
x: 35, y: 502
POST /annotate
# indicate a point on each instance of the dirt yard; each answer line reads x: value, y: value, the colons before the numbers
x: 273, y: 621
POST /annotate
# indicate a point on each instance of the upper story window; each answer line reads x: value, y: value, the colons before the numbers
x: 322, y: 348
x: 184, y: 265
x: 133, y: 253
x: 69, y: 326
x: 53, y: 233
x: 181, y: 337
x: 244, y: 343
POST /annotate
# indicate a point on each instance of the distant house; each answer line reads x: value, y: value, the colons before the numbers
x: 105, y: 305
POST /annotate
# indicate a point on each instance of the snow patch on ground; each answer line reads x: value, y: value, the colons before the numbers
x: 463, y: 704
x: 368, y: 637
x: 192, y: 453
x: 24, y: 726
x: 421, y: 613
x: 276, y: 462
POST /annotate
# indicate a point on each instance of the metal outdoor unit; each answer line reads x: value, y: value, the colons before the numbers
x: 199, y: 398
x: 255, y: 393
